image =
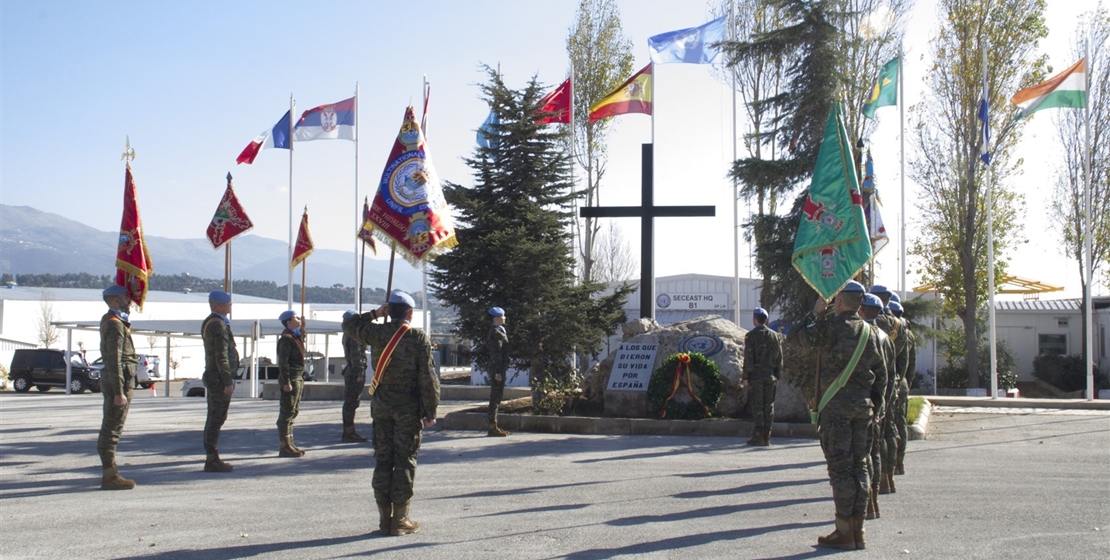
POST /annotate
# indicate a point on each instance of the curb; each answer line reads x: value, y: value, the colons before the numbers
x: 917, y: 429
x: 476, y: 421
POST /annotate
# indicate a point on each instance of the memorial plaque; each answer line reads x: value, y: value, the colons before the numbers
x: 633, y: 366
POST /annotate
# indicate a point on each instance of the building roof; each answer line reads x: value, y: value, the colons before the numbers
x: 1013, y: 285
x: 1040, y: 305
x: 35, y: 293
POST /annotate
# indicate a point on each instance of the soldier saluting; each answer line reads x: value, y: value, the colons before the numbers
x: 354, y: 379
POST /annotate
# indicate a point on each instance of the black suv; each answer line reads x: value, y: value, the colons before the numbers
x: 45, y: 368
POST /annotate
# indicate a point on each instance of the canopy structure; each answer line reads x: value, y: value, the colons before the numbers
x: 1030, y: 289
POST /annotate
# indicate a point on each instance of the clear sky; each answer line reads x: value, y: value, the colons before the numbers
x: 192, y: 83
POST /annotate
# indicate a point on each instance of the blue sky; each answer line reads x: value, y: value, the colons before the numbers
x: 192, y: 83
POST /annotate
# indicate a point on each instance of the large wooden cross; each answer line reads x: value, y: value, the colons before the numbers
x: 647, y: 211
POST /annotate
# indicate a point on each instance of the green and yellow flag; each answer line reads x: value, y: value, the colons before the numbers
x: 832, y: 243
x: 885, y: 91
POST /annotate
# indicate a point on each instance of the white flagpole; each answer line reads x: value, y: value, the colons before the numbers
x: 735, y: 193
x: 292, y: 119
x: 1088, y: 342
x: 358, y: 211
x: 425, y: 314
x: 902, y: 166
x: 990, y: 243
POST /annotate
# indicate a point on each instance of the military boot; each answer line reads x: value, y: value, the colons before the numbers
x: 890, y: 481
x: 899, y: 468
x: 287, y: 449
x: 293, y: 446
x: 494, y: 431
x: 841, y: 538
x: 884, y: 485
x: 113, y: 481
x: 858, y: 533
x: 765, y: 441
x: 350, y: 436
x: 873, y: 498
x: 400, y: 523
x: 385, y: 518
x: 871, y: 507
x: 757, y: 435
x: 214, y: 464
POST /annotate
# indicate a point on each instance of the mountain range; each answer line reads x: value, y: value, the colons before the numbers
x: 37, y: 242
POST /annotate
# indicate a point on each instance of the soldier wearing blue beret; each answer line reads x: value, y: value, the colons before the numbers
x: 116, y: 380
x: 291, y: 366
x: 498, y: 344
x: 762, y: 365
x: 221, y: 361
x: 354, y: 380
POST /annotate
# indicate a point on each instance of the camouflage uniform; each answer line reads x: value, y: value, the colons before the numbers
x: 290, y: 354
x: 117, y: 378
x: 877, y: 455
x: 354, y: 379
x: 221, y: 360
x: 762, y: 364
x: 844, y: 422
x: 892, y: 326
x: 408, y: 392
x: 902, y: 401
x: 498, y: 365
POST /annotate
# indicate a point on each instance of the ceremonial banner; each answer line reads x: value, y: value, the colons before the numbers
x: 274, y: 137
x: 133, y: 265
x: 885, y: 90
x: 366, y: 232
x: 695, y: 45
x: 1067, y: 89
x: 832, y: 243
x: 409, y: 209
x: 555, y: 106
x: 327, y: 122
x: 304, y: 246
x: 872, y: 207
x: 229, y: 221
x: 633, y: 96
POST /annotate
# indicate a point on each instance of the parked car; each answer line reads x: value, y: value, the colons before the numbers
x: 242, y: 378
x: 146, y: 374
x: 45, y: 368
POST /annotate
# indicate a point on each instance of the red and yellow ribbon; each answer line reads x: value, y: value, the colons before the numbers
x: 682, y: 368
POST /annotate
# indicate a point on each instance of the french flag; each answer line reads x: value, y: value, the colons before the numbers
x: 327, y: 122
x: 276, y: 137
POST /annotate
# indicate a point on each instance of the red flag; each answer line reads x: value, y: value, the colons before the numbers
x: 556, y: 105
x: 304, y: 247
x: 366, y: 232
x: 133, y: 265
x: 229, y: 221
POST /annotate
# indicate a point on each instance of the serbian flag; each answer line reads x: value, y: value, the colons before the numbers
x: 304, y: 247
x: 366, y: 232
x: 633, y: 96
x: 133, y: 266
x: 555, y: 106
x: 409, y: 210
x: 327, y: 122
x: 229, y: 220
x: 275, y: 137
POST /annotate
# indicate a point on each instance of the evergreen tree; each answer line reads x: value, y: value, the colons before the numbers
x: 514, y: 246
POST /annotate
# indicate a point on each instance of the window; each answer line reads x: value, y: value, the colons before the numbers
x: 1053, y: 344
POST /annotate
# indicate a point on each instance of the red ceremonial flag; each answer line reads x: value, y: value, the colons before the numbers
x: 409, y: 209
x: 133, y: 265
x: 229, y: 221
x: 366, y: 232
x: 556, y: 105
x: 304, y: 247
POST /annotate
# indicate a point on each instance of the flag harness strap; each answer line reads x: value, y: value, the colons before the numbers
x: 387, y: 355
x: 842, y: 379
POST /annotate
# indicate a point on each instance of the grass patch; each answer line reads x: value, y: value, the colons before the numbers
x: 913, y: 409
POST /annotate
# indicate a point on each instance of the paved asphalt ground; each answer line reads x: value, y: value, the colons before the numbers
x: 987, y: 483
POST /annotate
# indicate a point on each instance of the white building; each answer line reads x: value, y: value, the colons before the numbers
x: 1054, y: 326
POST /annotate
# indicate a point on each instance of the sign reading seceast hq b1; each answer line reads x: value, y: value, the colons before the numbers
x: 692, y: 301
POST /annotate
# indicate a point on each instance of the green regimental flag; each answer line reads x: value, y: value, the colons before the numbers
x: 885, y: 91
x: 832, y: 243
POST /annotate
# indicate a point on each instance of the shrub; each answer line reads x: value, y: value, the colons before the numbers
x: 1065, y: 372
x: 913, y: 409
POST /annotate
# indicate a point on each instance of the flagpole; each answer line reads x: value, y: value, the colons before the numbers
x: 424, y: 316
x: 902, y: 168
x: 227, y: 266
x: 1088, y: 339
x: 990, y: 240
x: 361, y: 275
x: 304, y: 265
x: 651, y: 286
x: 735, y: 194
x: 573, y: 185
x: 289, y: 288
x: 358, y: 222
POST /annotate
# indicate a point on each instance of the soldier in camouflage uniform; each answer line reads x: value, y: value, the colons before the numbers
x: 871, y: 309
x: 498, y: 367
x: 290, y: 354
x: 405, y: 397
x: 844, y: 420
x: 762, y: 364
x: 902, y: 401
x: 892, y: 326
x: 354, y: 380
x: 116, y: 380
x: 221, y: 360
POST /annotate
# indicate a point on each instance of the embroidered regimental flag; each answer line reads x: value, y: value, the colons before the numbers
x: 229, y: 220
x: 409, y: 210
x: 304, y: 247
x: 366, y: 232
x: 133, y: 264
x: 872, y: 208
x: 832, y: 244
x: 555, y: 106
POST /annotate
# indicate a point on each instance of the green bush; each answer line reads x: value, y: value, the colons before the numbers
x: 913, y: 409
x: 1065, y: 372
x: 954, y: 374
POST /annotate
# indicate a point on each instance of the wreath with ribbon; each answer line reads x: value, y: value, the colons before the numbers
x: 674, y: 375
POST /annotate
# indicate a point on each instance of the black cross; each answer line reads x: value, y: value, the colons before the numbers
x: 646, y: 211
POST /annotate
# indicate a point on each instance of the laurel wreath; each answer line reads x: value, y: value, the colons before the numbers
x: 690, y: 370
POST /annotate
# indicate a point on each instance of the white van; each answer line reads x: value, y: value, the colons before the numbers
x: 195, y: 387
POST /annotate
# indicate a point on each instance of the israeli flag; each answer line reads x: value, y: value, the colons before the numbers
x: 691, y: 46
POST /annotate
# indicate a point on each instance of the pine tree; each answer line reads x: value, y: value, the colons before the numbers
x: 514, y: 252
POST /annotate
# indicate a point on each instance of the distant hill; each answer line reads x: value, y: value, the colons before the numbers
x: 37, y: 242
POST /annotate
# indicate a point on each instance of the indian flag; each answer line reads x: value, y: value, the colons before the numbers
x: 1066, y: 89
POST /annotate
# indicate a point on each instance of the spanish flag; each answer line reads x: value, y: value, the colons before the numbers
x: 633, y: 96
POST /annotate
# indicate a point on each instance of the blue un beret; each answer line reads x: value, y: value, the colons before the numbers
x: 894, y: 297
x: 872, y: 300
x: 896, y: 308
x: 219, y: 296
x: 114, y: 290
x: 879, y: 289
x: 760, y: 312
x: 496, y: 312
x: 399, y: 297
x: 286, y: 315
x: 853, y: 287
x: 348, y: 314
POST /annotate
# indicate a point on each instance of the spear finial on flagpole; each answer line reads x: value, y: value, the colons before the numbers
x: 229, y: 177
x: 128, y: 151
